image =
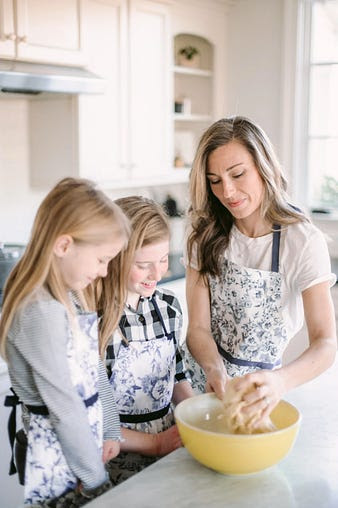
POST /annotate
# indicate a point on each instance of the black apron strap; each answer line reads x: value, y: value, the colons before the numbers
x: 12, y: 401
x: 275, y: 248
x: 144, y: 417
x: 246, y: 363
x: 170, y: 335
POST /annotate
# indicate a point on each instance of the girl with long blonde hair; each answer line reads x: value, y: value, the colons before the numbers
x: 143, y: 357
x: 48, y: 334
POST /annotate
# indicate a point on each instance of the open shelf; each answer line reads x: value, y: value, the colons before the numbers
x: 189, y: 71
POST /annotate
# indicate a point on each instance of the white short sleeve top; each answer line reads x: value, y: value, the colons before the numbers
x: 304, y: 261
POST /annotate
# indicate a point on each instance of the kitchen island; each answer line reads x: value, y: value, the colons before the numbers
x: 306, y: 478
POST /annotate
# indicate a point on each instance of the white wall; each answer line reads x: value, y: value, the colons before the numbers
x: 254, y: 72
x: 18, y: 201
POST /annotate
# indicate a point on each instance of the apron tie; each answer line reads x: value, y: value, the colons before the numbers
x: 144, y: 417
x: 13, y: 401
x: 247, y: 363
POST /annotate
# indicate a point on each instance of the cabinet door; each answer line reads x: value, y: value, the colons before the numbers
x: 7, y: 32
x: 150, y: 91
x: 102, y: 119
x: 49, y: 31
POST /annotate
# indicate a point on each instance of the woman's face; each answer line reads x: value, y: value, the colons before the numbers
x: 235, y: 180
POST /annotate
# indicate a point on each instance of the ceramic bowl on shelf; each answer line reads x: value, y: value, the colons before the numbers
x: 198, y: 421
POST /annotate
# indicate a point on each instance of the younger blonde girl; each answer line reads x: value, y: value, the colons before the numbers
x: 49, y: 339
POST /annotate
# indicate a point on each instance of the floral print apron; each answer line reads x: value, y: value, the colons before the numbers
x: 47, y: 473
x: 246, y: 317
x: 142, y: 378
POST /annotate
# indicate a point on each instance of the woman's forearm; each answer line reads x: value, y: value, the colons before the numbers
x: 203, y: 348
x: 316, y: 359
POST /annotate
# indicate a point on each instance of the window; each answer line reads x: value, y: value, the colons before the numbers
x: 322, y: 120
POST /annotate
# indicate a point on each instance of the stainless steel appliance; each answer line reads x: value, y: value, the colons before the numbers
x: 9, y: 256
x: 34, y: 78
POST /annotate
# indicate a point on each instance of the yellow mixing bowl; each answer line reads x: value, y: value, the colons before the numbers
x: 233, y: 453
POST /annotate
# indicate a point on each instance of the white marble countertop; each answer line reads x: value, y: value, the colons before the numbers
x: 306, y: 478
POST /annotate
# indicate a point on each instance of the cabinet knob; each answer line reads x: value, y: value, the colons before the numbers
x: 22, y: 39
x: 10, y: 37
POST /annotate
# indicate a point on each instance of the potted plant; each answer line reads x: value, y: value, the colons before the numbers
x: 188, y: 56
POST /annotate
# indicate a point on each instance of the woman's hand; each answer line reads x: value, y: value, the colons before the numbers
x: 167, y: 441
x: 110, y: 450
x: 216, y: 380
x: 263, y: 390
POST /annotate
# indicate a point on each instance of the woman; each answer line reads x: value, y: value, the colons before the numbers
x: 256, y: 266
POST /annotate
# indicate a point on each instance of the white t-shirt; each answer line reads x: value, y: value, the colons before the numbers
x: 303, y: 262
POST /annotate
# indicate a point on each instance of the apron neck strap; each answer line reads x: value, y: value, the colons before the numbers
x: 275, y: 248
x: 158, y: 312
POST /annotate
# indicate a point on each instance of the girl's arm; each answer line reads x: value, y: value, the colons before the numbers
x: 43, y: 343
x: 111, y: 421
x: 151, y: 445
x: 199, y: 339
x: 182, y: 390
x: 319, y: 356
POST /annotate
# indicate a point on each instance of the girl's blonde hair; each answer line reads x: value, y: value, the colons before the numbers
x: 73, y: 207
x: 210, y: 221
x: 149, y: 225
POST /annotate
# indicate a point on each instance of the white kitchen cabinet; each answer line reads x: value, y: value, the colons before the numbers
x: 122, y: 137
x: 150, y: 91
x: 7, y: 31
x: 125, y: 134
x: 45, y: 31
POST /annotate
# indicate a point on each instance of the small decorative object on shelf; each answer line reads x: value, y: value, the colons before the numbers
x: 183, y: 105
x: 189, y: 56
x: 178, y: 162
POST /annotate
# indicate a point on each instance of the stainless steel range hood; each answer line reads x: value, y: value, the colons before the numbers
x: 31, y: 78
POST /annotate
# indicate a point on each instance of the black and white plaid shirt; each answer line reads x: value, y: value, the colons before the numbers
x: 144, y: 324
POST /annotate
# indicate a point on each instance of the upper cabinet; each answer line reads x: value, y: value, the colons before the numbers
x: 125, y: 134
x: 149, y: 89
x: 45, y: 31
x: 130, y: 135
x: 122, y: 137
x: 7, y: 29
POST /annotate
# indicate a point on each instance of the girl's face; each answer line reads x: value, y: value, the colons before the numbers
x: 81, y: 264
x: 149, y: 266
x: 235, y: 180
